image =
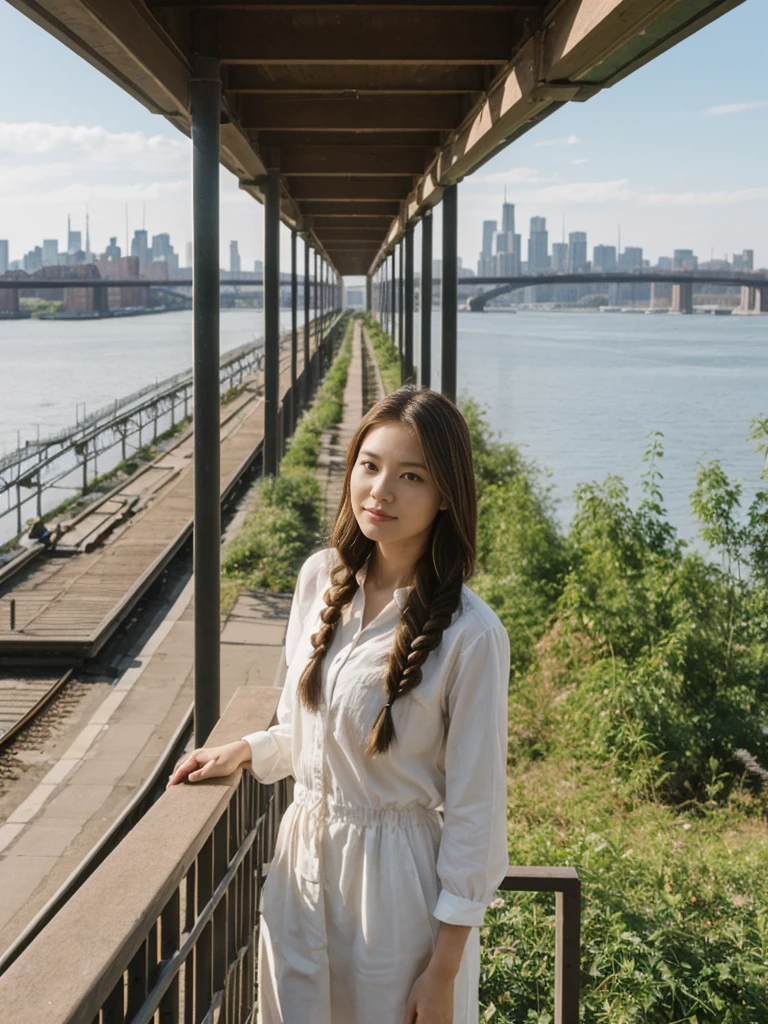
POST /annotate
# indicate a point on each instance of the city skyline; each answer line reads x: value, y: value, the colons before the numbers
x: 673, y: 154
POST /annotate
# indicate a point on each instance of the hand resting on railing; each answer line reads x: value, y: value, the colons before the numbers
x: 211, y: 763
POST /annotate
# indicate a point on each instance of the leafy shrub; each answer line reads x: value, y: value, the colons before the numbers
x: 284, y: 523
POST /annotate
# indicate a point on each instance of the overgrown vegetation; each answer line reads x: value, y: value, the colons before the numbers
x: 638, y: 738
x: 36, y: 305
x: 285, y: 521
x: 637, y: 734
x: 385, y: 351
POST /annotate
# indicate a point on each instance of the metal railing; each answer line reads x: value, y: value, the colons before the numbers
x: 52, y: 462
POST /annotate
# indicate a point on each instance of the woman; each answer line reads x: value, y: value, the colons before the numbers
x: 394, y: 708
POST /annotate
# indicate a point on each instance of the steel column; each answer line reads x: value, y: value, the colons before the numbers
x: 408, y: 362
x: 393, y: 296
x: 426, y: 299
x: 450, y: 295
x: 401, y: 307
x: 271, y: 319
x: 294, y: 332
x: 205, y: 101
x: 305, y: 372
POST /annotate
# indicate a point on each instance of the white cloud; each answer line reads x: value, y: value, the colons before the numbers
x: 94, y: 146
x: 512, y: 176
x: 584, y: 192
x: 724, y: 197
x: 581, y: 160
x: 563, y: 140
x: 735, y: 108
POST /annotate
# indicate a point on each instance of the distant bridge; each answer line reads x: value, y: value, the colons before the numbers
x: 54, y: 284
x: 754, y: 285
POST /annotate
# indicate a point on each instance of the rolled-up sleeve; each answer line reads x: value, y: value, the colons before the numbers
x: 473, y: 859
x: 271, y: 749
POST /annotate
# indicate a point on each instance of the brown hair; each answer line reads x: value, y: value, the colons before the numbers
x: 447, y: 562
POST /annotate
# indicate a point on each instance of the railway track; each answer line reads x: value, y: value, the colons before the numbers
x: 27, y: 690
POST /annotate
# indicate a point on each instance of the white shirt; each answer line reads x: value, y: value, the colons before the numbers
x: 449, y: 754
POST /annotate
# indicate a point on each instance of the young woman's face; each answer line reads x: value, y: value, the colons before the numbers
x: 390, y: 475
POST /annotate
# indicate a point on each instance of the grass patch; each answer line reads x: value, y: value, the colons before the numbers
x: 386, y: 353
x: 286, y: 519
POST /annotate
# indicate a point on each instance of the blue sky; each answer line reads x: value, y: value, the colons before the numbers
x: 677, y: 154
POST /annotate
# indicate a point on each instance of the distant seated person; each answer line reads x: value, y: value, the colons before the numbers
x: 41, y: 533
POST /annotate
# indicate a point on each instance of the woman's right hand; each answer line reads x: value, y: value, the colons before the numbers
x: 211, y: 762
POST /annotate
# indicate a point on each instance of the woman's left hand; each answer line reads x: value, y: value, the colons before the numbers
x: 431, y: 999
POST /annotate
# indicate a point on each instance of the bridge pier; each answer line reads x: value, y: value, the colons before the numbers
x: 754, y: 299
x: 426, y: 299
x: 682, y: 297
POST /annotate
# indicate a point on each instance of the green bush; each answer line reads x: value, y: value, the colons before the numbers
x: 386, y: 353
x: 284, y: 523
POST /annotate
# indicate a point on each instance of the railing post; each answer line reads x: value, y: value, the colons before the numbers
x: 205, y: 96
x: 271, y: 319
x: 449, y: 301
x: 408, y: 356
x: 426, y: 299
x: 294, y: 331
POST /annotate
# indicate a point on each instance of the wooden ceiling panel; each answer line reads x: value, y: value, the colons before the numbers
x: 350, y: 36
x: 369, y: 161
x: 377, y: 79
x: 350, y: 113
x: 338, y: 189
x: 382, y: 211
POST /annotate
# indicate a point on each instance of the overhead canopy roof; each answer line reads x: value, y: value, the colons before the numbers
x: 369, y: 109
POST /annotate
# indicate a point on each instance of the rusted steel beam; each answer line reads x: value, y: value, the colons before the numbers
x: 351, y: 113
x: 349, y: 189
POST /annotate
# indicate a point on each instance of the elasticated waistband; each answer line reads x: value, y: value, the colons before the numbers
x: 360, y: 814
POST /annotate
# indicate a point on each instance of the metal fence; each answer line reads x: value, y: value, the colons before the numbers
x: 68, y: 460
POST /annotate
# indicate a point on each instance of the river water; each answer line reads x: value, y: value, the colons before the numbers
x: 578, y: 391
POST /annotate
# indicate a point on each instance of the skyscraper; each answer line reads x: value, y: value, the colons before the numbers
x: 113, y: 250
x: 559, y: 256
x: 3, y: 255
x: 508, y: 218
x: 74, y: 239
x: 140, y: 249
x: 485, y: 262
x: 234, y: 258
x: 577, y: 251
x: 604, y: 258
x: 684, y: 259
x: 50, y: 252
x: 538, y: 245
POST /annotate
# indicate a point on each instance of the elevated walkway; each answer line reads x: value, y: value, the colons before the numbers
x: 68, y: 604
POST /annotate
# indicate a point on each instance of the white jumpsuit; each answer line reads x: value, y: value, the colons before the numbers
x: 365, y: 868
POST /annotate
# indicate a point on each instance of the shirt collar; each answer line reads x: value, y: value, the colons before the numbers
x: 400, y: 595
